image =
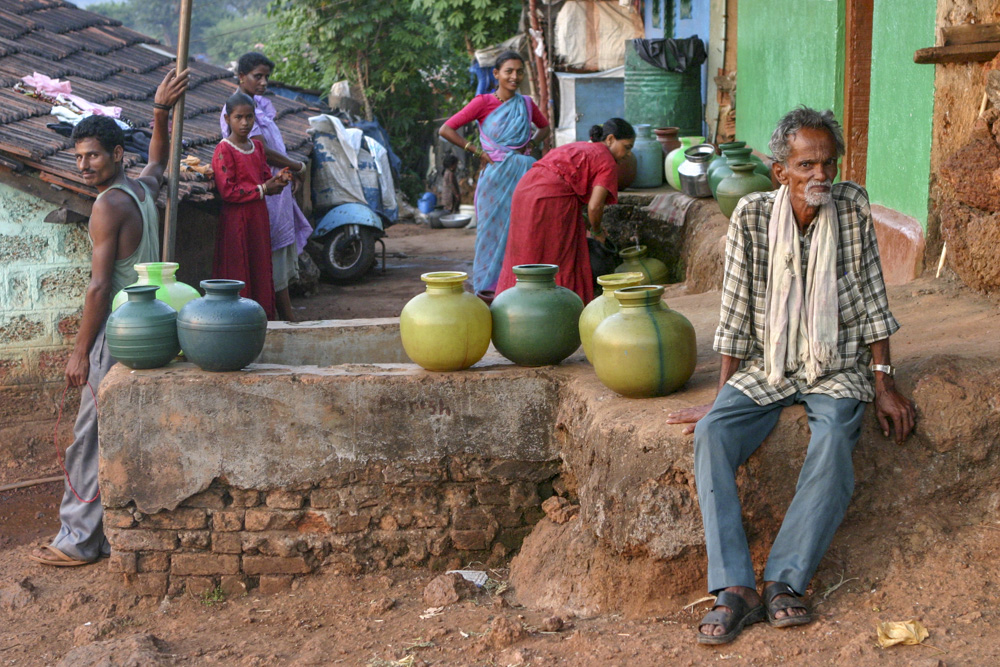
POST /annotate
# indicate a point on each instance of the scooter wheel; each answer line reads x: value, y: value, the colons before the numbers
x: 348, y: 253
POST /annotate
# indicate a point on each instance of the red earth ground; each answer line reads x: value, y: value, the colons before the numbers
x: 86, y: 616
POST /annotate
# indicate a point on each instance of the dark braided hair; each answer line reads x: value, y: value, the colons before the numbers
x: 619, y: 127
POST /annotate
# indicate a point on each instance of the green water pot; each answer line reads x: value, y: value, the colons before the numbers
x: 645, y: 349
x: 729, y: 145
x: 637, y: 258
x: 163, y: 274
x: 222, y: 331
x: 721, y: 168
x: 743, y: 181
x: 535, y: 323
x: 675, y: 158
x: 142, y: 333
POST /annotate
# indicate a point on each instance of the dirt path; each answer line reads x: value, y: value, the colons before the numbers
x: 381, y: 620
x: 410, y: 251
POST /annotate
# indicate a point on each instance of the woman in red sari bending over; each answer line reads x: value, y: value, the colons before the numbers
x: 546, y: 221
x: 243, y: 237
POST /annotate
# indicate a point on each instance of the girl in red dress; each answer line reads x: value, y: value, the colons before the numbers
x: 243, y: 237
x: 547, y: 225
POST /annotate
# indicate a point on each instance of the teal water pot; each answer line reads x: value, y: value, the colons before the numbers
x: 222, y: 331
x: 536, y: 322
x: 142, y: 333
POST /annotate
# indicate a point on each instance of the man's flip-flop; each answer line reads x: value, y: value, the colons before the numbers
x: 733, y: 621
x: 57, y: 558
x: 793, y: 601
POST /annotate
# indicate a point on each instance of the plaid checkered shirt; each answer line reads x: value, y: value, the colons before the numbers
x: 864, y: 315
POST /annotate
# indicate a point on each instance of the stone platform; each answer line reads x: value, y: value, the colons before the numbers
x: 248, y: 479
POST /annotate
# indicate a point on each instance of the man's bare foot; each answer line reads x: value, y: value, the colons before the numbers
x: 749, y: 595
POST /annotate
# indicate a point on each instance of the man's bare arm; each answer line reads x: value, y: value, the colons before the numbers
x: 692, y: 415
x: 105, y: 224
x: 891, y: 406
x: 167, y: 94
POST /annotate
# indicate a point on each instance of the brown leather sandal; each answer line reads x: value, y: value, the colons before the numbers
x: 733, y: 622
x: 793, y: 601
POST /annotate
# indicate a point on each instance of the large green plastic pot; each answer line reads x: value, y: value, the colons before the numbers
x: 738, y: 184
x: 142, y: 333
x: 645, y: 349
x: 535, y: 323
x: 222, y: 331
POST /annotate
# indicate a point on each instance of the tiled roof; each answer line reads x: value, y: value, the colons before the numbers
x: 109, y: 64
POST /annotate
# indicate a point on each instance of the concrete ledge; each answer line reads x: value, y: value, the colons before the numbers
x: 167, y: 433
x: 333, y: 342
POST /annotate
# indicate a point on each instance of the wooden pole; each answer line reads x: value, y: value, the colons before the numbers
x: 542, y: 66
x: 176, y: 140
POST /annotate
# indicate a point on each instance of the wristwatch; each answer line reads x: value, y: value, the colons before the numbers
x: 884, y: 368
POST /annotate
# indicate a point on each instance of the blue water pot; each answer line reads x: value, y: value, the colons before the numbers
x: 427, y: 202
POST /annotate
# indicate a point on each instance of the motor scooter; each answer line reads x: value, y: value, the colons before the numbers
x: 348, y: 233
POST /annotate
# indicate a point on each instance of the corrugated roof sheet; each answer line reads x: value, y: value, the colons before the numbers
x: 106, y: 63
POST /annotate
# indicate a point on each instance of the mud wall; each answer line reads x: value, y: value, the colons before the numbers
x: 959, y: 89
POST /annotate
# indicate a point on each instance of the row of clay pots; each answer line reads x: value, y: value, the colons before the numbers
x: 737, y: 175
x: 218, y: 332
x: 637, y: 345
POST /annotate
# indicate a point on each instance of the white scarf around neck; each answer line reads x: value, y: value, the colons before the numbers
x: 801, y: 321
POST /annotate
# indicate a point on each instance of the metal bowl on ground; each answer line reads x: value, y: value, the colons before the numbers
x: 455, y: 220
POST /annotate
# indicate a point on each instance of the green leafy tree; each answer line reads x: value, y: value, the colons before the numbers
x: 480, y: 23
x: 161, y: 18
x: 404, y: 55
x: 233, y: 36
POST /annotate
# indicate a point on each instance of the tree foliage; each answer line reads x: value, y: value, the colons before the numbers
x: 407, y: 58
x: 481, y: 23
x: 160, y: 19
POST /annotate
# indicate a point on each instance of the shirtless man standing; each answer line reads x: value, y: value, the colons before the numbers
x: 124, y: 230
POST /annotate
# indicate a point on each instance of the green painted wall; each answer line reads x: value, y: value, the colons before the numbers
x: 788, y: 52
x: 902, y: 104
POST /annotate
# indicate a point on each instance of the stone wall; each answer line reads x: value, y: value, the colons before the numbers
x: 44, y: 270
x: 441, y: 514
x: 252, y: 478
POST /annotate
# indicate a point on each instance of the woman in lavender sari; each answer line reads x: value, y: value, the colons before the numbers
x: 289, y: 228
x: 505, y: 118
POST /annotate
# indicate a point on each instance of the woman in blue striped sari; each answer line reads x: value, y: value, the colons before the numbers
x: 505, y: 120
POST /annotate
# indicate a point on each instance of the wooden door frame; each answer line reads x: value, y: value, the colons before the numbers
x: 857, y: 88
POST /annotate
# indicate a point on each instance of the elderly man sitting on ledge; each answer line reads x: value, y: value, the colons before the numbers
x: 804, y: 319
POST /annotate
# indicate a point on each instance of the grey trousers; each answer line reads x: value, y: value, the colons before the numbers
x: 82, y: 532
x: 726, y: 437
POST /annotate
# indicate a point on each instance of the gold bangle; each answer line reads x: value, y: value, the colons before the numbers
x: 467, y: 144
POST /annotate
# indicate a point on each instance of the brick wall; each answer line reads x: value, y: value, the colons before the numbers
x: 44, y: 270
x: 441, y: 514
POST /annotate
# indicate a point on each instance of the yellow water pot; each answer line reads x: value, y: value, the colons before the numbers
x: 445, y: 328
x: 645, y: 349
x: 605, y: 305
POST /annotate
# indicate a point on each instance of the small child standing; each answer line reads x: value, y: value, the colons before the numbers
x: 243, y: 237
x: 450, y: 195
